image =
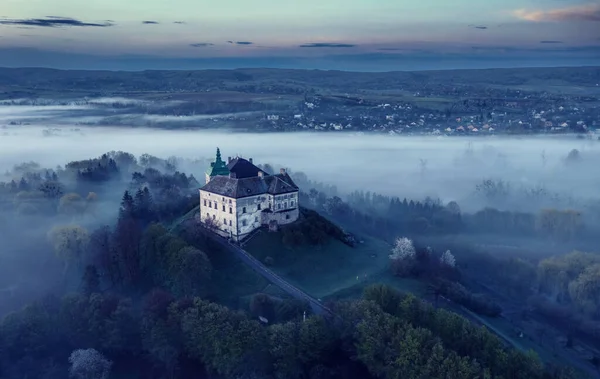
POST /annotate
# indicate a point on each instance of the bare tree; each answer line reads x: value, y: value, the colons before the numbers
x: 544, y: 158
x: 212, y: 224
x: 89, y: 364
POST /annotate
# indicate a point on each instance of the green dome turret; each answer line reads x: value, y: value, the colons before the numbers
x: 218, y: 167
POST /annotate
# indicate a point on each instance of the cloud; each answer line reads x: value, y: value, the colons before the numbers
x: 578, y: 13
x: 241, y: 42
x: 323, y: 44
x: 179, y: 22
x: 559, y: 49
x: 52, y: 22
x: 202, y: 44
x: 551, y: 41
x: 481, y: 27
x: 150, y: 22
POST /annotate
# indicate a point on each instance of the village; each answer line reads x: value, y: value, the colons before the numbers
x: 506, y: 116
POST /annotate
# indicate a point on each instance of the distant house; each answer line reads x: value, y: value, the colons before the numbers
x: 239, y: 198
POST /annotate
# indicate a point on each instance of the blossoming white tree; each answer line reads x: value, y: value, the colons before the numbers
x: 403, y: 249
x: 403, y: 256
x: 89, y: 364
x: 448, y: 259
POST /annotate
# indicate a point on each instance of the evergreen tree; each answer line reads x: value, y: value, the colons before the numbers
x: 127, y: 206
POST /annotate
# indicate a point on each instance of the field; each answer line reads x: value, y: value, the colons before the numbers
x: 325, y: 269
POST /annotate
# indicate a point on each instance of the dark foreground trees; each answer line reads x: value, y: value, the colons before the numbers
x: 386, y: 334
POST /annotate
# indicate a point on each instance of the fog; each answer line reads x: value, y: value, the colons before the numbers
x: 413, y: 167
x: 539, y: 171
x: 444, y: 167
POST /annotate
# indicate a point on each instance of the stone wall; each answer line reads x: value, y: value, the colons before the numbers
x: 238, y: 218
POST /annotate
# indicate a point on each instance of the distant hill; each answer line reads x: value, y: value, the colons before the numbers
x: 283, y: 81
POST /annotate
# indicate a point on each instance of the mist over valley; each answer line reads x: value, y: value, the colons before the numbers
x: 479, y: 218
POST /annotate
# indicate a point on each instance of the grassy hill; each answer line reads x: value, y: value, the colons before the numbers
x: 313, y: 255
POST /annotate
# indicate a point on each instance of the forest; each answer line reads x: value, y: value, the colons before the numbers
x: 122, y: 294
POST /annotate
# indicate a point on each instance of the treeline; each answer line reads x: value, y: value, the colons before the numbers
x: 76, y: 188
x: 386, y: 334
x: 563, y: 289
x: 386, y: 217
x: 137, y: 253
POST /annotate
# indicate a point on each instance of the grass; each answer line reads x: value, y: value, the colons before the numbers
x: 407, y: 285
x: 232, y: 279
x: 321, y: 270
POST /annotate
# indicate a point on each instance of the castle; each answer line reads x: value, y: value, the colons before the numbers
x: 239, y: 197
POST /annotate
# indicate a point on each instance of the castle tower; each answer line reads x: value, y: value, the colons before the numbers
x: 218, y: 167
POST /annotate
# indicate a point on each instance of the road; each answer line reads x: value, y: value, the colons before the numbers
x: 272, y: 277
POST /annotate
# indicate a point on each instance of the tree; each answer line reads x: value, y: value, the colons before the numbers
x: 51, y: 189
x: 561, y: 225
x: 191, y: 270
x: 91, y: 280
x: 403, y: 256
x: 71, y: 204
x: 403, y: 249
x: 447, y: 259
x: 70, y: 243
x: 212, y: 224
x: 262, y: 305
x: 573, y: 157
x: 89, y: 364
x: 453, y: 208
x: 585, y: 290
x: 127, y: 206
x: 91, y: 201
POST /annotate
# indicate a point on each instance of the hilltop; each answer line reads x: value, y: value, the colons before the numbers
x: 317, y: 255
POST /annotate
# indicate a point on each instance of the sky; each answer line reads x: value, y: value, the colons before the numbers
x: 369, y: 35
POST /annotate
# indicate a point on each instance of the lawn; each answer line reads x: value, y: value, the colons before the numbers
x: 406, y: 285
x: 324, y: 269
x: 232, y: 279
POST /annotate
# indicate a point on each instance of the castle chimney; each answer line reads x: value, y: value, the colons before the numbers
x: 250, y: 160
x: 260, y: 174
x: 228, y: 159
x: 282, y: 171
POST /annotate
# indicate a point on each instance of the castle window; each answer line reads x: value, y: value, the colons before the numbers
x: 230, y: 210
x: 223, y: 207
x: 207, y: 215
x: 243, y: 222
x: 224, y: 222
x: 210, y: 204
x: 244, y: 210
x: 279, y: 206
x: 258, y: 207
x: 229, y: 222
x: 285, y: 204
x: 292, y: 203
x: 287, y: 217
x: 205, y: 202
x: 255, y: 219
x: 229, y: 201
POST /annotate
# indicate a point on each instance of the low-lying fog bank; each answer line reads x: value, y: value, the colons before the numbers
x: 412, y: 167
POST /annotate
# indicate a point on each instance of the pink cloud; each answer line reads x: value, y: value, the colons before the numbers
x: 589, y: 12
